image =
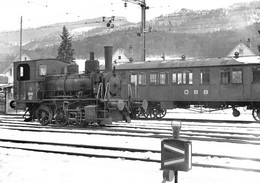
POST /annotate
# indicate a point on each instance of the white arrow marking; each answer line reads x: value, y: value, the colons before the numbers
x: 173, y: 161
x: 174, y: 149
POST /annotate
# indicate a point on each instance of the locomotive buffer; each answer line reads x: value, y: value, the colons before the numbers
x: 176, y: 155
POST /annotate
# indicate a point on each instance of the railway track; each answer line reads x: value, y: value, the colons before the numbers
x: 136, y: 129
x: 134, y: 154
x: 241, y: 133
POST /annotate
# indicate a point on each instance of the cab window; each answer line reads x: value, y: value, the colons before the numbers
x: 23, y: 72
x: 42, y: 70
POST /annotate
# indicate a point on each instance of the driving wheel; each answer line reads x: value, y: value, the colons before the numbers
x: 44, y: 115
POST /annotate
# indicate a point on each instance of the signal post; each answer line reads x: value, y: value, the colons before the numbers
x: 176, y: 155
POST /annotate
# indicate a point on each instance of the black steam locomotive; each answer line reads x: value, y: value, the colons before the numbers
x: 54, y: 92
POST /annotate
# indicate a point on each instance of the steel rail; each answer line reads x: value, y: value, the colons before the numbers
x: 117, y: 149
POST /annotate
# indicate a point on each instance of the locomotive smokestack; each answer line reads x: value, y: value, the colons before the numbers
x: 108, y: 58
x: 91, y: 65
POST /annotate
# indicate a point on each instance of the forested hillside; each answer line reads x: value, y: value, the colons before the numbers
x: 205, y: 33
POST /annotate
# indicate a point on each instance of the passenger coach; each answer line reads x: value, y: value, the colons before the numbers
x: 219, y: 83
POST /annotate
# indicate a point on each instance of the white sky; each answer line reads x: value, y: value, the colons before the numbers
x: 44, y: 12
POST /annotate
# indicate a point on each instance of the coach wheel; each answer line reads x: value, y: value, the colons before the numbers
x: 44, y: 115
x: 161, y: 113
x: 150, y: 113
x: 146, y: 113
x: 60, y: 117
x: 154, y: 113
x: 256, y: 114
x: 164, y: 111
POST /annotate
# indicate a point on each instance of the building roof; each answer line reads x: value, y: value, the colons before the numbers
x: 32, y: 55
x: 242, y: 49
x: 26, y: 55
x: 128, y: 54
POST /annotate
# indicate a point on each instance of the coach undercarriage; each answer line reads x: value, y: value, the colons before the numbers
x: 156, y: 111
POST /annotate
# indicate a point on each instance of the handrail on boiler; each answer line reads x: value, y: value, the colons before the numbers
x: 100, y: 91
x: 107, y: 92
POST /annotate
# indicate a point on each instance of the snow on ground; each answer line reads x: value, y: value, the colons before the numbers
x: 22, y: 166
x: 245, y: 115
x: 82, y: 29
x: 244, y: 150
x: 18, y: 166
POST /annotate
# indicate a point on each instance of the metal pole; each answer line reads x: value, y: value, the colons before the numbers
x: 21, y: 27
x: 143, y: 6
x: 143, y: 22
x: 176, y: 135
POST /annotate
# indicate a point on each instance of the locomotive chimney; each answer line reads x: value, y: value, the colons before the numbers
x: 108, y: 58
x: 91, y: 65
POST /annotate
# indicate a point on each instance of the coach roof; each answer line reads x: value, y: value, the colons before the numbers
x: 186, y: 63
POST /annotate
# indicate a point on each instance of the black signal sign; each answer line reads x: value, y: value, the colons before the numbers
x: 176, y: 155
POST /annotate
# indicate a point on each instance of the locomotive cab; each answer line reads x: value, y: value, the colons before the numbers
x: 29, y: 77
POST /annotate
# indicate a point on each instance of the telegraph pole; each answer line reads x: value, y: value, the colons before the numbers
x: 21, y: 27
x: 143, y: 6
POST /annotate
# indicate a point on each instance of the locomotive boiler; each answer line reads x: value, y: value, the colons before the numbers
x: 54, y: 92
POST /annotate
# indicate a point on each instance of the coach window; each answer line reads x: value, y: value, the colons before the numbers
x: 153, y: 78
x: 237, y: 76
x: 179, y: 78
x: 174, y: 77
x: 42, y: 70
x: 133, y: 79
x: 23, y: 72
x: 189, y: 77
x: 204, y: 76
x: 163, y: 78
x: 256, y: 74
x: 142, y: 79
x: 225, y: 75
x: 185, y: 77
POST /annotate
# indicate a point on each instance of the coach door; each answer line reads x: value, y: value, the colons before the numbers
x: 132, y: 90
x: 137, y: 85
x: 247, y: 82
x: 2, y: 101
